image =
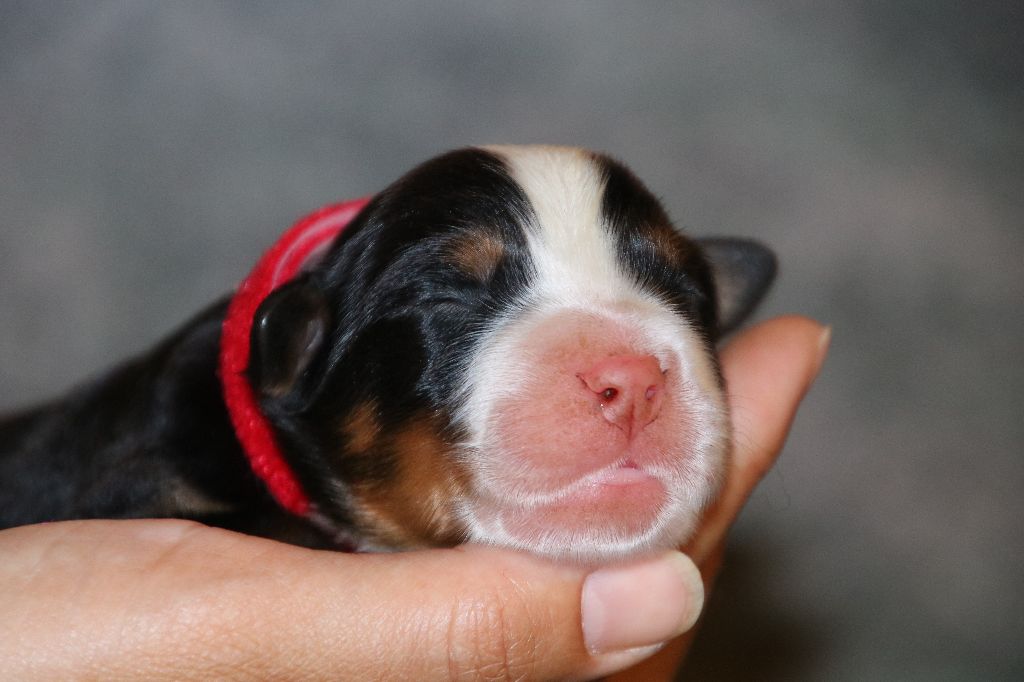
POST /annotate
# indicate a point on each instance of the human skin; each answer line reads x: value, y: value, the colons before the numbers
x: 166, y: 599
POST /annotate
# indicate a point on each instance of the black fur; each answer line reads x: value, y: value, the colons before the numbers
x: 402, y: 316
x: 677, y: 272
x: 142, y: 441
x: 396, y: 318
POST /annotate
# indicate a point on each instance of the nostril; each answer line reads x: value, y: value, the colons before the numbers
x: 627, y: 390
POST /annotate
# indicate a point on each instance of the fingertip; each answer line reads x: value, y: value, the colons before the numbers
x: 630, y: 611
x: 770, y: 366
x: 629, y: 607
x: 824, y: 343
x: 768, y: 370
x: 796, y: 333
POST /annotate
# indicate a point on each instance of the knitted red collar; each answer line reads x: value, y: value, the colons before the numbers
x: 300, y: 246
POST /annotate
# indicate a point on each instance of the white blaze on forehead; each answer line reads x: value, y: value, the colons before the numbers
x: 572, y: 252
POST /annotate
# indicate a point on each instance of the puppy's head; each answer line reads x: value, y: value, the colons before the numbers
x: 509, y: 345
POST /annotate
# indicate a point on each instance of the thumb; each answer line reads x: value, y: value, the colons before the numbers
x: 167, y: 599
x: 484, y: 612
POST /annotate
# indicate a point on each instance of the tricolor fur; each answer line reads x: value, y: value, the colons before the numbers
x: 432, y: 380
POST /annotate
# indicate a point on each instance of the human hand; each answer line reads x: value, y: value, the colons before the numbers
x: 172, y: 599
x: 165, y: 599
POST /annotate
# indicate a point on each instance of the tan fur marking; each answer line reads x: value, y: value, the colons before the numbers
x: 362, y: 428
x: 477, y: 254
x: 670, y: 245
x: 183, y: 497
x: 416, y: 509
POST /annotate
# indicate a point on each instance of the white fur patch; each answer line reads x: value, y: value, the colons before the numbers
x: 572, y: 253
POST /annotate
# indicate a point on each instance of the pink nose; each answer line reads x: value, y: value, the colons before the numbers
x: 628, y: 389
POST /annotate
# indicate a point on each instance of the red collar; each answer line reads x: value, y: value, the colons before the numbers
x: 297, y: 248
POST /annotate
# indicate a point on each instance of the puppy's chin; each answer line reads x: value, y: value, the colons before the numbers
x: 618, y: 514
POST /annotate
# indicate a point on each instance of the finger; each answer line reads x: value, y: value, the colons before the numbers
x: 767, y: 369
x: 165, y: 599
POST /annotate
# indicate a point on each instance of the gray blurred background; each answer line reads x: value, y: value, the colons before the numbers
x: 150, y: 151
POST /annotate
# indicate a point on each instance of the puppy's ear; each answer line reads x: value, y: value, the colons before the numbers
x: 288, y: 340
x: 743, y: 270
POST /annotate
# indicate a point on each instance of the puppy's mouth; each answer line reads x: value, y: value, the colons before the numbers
x: 614, y: 505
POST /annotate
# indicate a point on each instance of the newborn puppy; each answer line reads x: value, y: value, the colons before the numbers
x: 509, y: 345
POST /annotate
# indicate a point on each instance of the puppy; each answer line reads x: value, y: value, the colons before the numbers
x: 509, y: 345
